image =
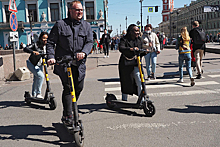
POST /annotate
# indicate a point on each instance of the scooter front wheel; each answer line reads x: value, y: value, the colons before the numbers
x: 78, y: 136
x: 149, y: 109
x: 52, y: 104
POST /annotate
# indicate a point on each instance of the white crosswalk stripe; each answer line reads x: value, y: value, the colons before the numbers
x: 171, y: 83
x: 167, y: 85
x: 214, y: 76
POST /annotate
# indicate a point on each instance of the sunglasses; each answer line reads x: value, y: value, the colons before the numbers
x: 77, y: 9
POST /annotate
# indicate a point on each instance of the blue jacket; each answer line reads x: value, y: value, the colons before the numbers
x: 66, y: 43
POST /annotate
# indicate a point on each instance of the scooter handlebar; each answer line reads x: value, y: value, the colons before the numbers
x: 64, y: 59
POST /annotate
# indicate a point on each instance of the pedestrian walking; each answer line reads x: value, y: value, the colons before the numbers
x: 151, y: 42
x: 198, y: 36
x: 34, y: 63
x: 105, y: 42
x: 183, y: 45
x: 71, y: 36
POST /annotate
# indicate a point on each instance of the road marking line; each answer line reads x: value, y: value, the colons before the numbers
x: 158, y: 125
x: 167, y: 85
x: 178, y: 93
x: 214, y: 76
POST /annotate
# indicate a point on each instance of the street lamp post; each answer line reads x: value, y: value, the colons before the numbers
x: 30, y: 21
x: 141, y: 14
x: 126, y: 18
x: 120, y: 29
x: 177, y: 12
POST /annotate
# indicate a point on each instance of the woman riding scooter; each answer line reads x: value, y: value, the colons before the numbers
x: 34, y: 63
x: 128, y: 67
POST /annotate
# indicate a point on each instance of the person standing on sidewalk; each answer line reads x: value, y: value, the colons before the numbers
x: 198, y: 36
x: 73, y: 37
x: 105, y: 42
x: 151, y: 42
x: 183, y: 44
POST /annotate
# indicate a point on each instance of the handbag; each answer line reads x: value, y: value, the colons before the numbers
x: 131, y: 61
x: 34, y: 59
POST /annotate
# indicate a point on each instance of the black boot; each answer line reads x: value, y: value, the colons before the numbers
x: 198, y: 76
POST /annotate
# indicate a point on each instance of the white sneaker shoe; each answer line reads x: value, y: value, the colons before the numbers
x: 107, y: 56
x: 180, y: 81
x: 104, y: 56
x: 39, y: 96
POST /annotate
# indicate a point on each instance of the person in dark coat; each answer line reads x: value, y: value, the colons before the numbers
x: 106, y: 39
x: 71, y: 36
x: 128, y: 68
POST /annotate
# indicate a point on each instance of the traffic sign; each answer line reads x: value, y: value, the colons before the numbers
x: 212, y: 8
x: 13, y: 22
x: 150, y: 9
x: 13, y: 36
x: 12, y: 6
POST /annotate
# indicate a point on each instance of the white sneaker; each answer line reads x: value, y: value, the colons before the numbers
x: 39, y: 96
x: 104, y: 56
x: 107, y: 56
x: 180, y: 81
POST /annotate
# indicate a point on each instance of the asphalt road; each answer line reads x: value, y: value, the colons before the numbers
x: 185, y: 116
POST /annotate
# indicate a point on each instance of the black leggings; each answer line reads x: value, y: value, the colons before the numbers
x: 66, y: 96
x: 106, y: 49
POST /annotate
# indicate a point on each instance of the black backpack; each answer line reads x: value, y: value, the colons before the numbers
x: 200, y: 37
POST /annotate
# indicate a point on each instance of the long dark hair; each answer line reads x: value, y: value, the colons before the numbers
x: 40, y: 42
x: 130, y: 28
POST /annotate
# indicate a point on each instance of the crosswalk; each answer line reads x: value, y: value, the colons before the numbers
x: 169, y: 85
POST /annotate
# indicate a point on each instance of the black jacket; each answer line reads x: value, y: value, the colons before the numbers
x: 34, y: 59
x: 128, y: 85
x: 105, y: 40
x: 69, y: 43
x: 192, y: 34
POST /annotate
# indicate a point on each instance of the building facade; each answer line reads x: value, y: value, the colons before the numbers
x: 44, y: 14
x: 181, y: 17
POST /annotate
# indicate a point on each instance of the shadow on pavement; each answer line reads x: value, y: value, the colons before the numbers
x: 90, y: 108
x: 110, y: 80
x: 198, y: 109
x: 6, y: 104
x: 18, y: 132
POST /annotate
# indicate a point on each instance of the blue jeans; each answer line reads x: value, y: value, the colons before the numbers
x: 116, y: 46
x: 137, y: 78
x: 38, y: 77
x: 153, y: 57
x: 187, y: 58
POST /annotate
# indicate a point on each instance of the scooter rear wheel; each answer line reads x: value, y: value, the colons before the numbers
x: 149, y: 109
x: 53, y: 104
x: 27, y: 101
x: 109, y: 99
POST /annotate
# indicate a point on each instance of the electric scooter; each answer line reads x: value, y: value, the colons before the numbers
x: 143, y: 101
x: 77, y: 129
x: 48, y: 97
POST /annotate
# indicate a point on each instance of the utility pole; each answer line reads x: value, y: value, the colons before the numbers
x: 126, y: 18
x: 141, y: 14
x: 120, y: 29
x: 104, y: 13
x: 147, y: 19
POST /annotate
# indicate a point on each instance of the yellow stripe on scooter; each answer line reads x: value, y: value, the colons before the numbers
x: 71, y: 84
x: 140, y: 70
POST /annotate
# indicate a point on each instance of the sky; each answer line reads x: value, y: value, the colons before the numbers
x: 119, y: 9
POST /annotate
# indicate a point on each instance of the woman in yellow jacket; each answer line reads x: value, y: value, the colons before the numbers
x: 183, y: 44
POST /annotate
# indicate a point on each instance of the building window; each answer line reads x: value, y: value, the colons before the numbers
x: 32, y: 11
x: 7, y: 13
x: 165, y: 7
x: 54, y: 11
x: 89, y: 10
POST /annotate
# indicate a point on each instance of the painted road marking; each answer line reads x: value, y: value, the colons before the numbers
x: 168, y: 85
x: 159, y: 125
x: 214, y: 76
